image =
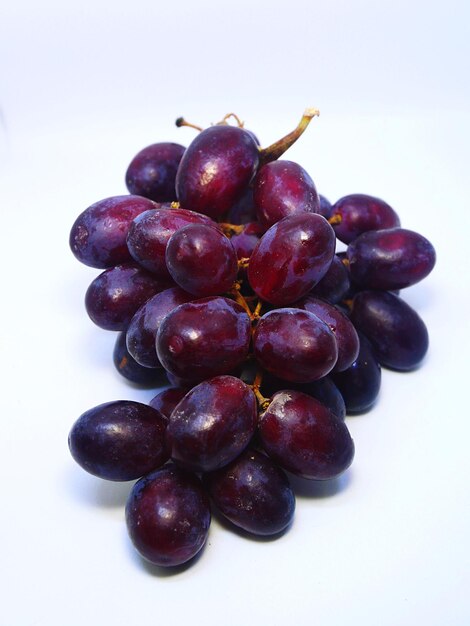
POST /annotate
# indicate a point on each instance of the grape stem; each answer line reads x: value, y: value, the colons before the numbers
x: 182, y: 122
x: 277, y: 149
x: 175, y: 205
x: 335, y: 219
x: 231, y: 229
x: 262, y: 401
x: 239, y: 299
x: 224, y: 122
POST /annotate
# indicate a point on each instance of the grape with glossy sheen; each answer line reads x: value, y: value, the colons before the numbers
x: 119, y: 440
x: 360, y: 384
x: 168, y: 516
x: 204, y: 338
x: 253, y: 493
x: 335, y: 284
x: 304, y: 437
x: 152, y: 172
x: 149, y: 234
x: 338, y: 322
x: 201, y: 260
x: 115, y: 295
x: 390, y: 259
x: 398, y: 335
x: 295, y: 345
x: 216, y: 169
x: 165, y: 401
x: 283, y: 188
x: 128, y: 367
x: 98, y: 235
x: 291, y: 257
x: 212, y: 424
x: 144, y: 325
x: 325, y: 207
x: 359, y: 213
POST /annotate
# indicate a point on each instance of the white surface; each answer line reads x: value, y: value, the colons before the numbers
x: 84, y: 87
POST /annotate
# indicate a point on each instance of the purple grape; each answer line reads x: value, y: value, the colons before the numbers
x: 168, y: 516
x: 115, y: 295
x: 128, y: 367
x: 243, y: 211
x: 358, y: 213
x: 119, y: 440
x: 166, y: 400
x: 325, y: 207
x: 245, y: 242
x: 205, y: 338
x: 216, y: 169
x: 304, y: 437
x: 294, y: 345
x: 335, y: 284
x: 291, y: 257
x: 149, y: 234
x: 253, y: 493
x: 152, y: 172
x: 390, y: 259
x: 144, y: 325
x: 398, y: 335
x: 344, y: 331
x: 360, y: 384
x: 283, y: 188
x: 98, y: 236
x: 212, y: 424
x: 201, y: 260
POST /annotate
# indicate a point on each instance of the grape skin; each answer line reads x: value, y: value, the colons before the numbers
x: 152, y: 172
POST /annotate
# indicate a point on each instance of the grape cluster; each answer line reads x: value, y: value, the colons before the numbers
x: 221, y: 276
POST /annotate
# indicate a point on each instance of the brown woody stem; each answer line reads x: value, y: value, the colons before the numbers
x: 262, y: 401
x: 231, y: 229
x: 182, y: 122
x: 335, y: 219
x: 277, y: 149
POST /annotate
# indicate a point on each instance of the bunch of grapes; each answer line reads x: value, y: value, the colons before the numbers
x: 221, y: 275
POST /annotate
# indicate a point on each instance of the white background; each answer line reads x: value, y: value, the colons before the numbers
x: 83, y: 87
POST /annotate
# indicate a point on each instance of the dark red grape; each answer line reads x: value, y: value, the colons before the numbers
x: 335, y: 284
x: 294, y: 345
x: 358, y: 213
x: 98, y: 236
x: 143, y: 327
x: 149, y: 234
x: 283, y: 188
x: 168, y: 516
x: 253, y: 493
x: 152, y: 172
x: 119, y: 440
x: 291, y: 257
x: 243, y: 211
x: 115, y: 295
x: 216, y: 169
x: 304, y: 437
x: 397, y: 333
x: 212, y: 424
x: 166, y: 400
x: 325, y: 207
x: 205, y: 338
x: 201, y: 260
x: 390, y: 259
x: 245, y: 242
x: 344, y: 331
x: 360, y: 384
x: 128, y: 367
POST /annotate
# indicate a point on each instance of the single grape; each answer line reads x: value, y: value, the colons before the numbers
x: 212, y: 424
x: 243, y: 210
x: 325, y: 207
x: 98, y: 236
x: 115, y: 295
x: 398, y: 335
x: 360, y: 384
x: 358, y: 213
x: 165, y: 401
x: 291, y: 257
x: 338, y: 322
x: 335, y: 284
x: 246, y: 241
x: 294, y: 345
x: 128, y: 367
x: 149, y: 234
x: 283, y: 188
x: 216, y: 169
x: 304, y: 437
x: 119, y: 440
x: 201, y: 260
x: 144, y: 325
x: 253, y: 493
x: 168, y: 516
x: 390, y: 259
x: 152, y: 172
x: 205, y: 338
